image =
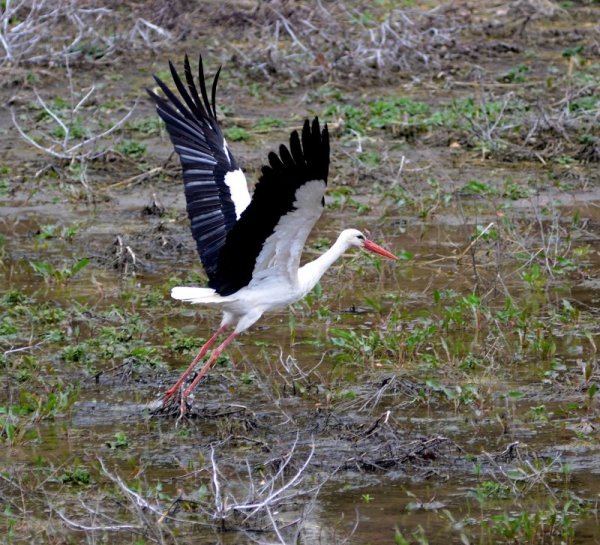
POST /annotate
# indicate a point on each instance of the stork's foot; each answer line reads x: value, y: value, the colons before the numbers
x: 171, y: 392
x: 175, y: 403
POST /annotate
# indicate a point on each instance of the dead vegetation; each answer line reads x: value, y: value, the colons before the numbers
x: 303, y: 43
x: 71, y: 138
x: 49, y: 33
x: 474, y: 362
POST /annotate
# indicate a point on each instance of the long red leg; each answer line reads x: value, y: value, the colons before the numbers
x: 170, y: 392
x: 213, y: 357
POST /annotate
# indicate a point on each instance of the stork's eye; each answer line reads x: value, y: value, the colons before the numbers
x: 361, y: 237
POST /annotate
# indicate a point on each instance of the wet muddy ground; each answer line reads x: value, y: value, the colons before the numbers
x: 450, y: 397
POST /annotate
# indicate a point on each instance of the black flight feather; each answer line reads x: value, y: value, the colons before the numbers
x: 274, y: 197
x: 197, y: 138
x: 229, y: 248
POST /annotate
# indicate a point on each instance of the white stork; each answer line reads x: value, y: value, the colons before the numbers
x: 250, y: 247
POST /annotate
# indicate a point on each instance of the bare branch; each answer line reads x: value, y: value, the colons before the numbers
x: 52, y: 31
x: 103, y: 528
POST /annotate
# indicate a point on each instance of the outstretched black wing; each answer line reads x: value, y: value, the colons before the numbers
x: 268, y: 238
x: 215, y: 188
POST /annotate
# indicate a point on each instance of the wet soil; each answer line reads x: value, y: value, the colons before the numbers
x: 443, y: 398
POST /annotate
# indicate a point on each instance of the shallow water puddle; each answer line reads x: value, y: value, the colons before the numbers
x: 431, y: 429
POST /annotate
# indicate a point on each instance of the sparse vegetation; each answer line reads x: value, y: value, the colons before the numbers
x: 236, y: 134
x: 460, y: 383
x: 45, y: 32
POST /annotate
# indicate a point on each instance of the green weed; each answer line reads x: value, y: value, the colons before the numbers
x: 366, y: 498
x: 4, y: 187
x: 52, y: 231
x: 538, y: 527
x: 132, y: 148
x: 534, y: 277
x: 585, y: 103
x: 120, y: 441
x: 342, y: 198
x: 264, y: 124
x: 517, y: 74
x: 75, y: 129
x: 52, y: 274
x: 397, y: 110
x: 148, y: 126
x: 476, y: 187
x: 78, y: 476
x: 181, y: 343
x: 236, y: 134
x: 354, y: 118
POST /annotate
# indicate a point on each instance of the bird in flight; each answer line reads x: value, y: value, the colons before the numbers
x: 250, y: 247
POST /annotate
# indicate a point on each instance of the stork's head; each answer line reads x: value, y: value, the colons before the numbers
x: 353, y: 237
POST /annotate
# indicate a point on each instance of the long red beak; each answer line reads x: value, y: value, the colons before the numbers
x: 372, y: 247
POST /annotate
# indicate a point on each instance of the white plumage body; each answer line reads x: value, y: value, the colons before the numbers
x: 270, y: 291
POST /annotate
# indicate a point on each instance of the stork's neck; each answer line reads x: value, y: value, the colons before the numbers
x: 310, y: 274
